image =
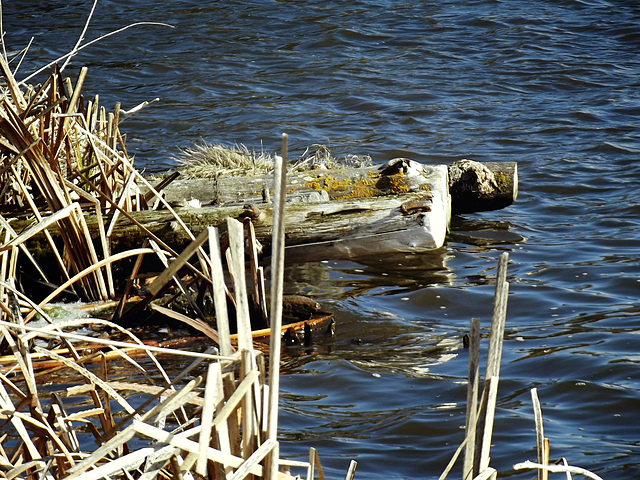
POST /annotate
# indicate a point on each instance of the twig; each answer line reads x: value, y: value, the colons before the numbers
x: 453, y: 460
x: 81, y: 37
x: 472, y: 398
x: 4, y: 48
x: 537, y: 413
x: 492, y: 377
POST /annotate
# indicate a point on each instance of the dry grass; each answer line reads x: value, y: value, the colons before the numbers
x: 63, y: 157
x: 210, y: 160
x: 207, y: 160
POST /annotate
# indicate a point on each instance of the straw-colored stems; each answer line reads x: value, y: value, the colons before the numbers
x: 487, y: 474
x: 236, y: 251
x: 219, y: 295
x: 169, y: 404
x: 498, y: 318
x: 313, y: 453
x: 472, y: 398
x: 540, y: 440
x: 494, y: 357
x: 208, y: 412
x: 277, y: 282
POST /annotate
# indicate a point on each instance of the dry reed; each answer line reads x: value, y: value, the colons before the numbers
x: 63, y: 157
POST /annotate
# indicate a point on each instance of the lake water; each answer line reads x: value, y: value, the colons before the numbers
x: 551, y: 84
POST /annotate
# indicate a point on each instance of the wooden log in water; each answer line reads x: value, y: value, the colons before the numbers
x: 401, y: 206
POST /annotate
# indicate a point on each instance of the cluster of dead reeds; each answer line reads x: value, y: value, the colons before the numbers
x: 63, y: 157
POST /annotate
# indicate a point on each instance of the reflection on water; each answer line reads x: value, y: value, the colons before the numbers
x: 333, y: 280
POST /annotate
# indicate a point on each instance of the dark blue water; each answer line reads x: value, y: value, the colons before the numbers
x: 551, y: 84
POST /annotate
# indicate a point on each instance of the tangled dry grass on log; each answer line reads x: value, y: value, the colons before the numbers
x: 210, y: 160
x: 207, y: 160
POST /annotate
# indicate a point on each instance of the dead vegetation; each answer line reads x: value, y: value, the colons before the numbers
x: 62, y: 157
x: 210, y: 160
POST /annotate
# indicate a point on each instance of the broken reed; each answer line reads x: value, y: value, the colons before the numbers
x: 476, y: 446
x: 59, y: 154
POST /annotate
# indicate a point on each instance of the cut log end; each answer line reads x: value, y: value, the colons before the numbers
x: 477, y: 187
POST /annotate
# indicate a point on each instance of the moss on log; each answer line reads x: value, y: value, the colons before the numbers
x: 401, y: 206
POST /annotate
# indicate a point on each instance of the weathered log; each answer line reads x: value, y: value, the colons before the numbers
x: 348, y: 212
x: 474, y: 186
x: 401, y: 206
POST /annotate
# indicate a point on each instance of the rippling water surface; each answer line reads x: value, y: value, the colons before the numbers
x: 552, y: 84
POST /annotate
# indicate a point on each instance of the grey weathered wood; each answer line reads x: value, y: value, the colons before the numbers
x: 472, y: 398
x: 309, y: 186
x: 413, y: 215
x: 404, y: 206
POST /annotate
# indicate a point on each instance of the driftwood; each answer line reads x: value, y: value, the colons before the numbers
x: 477, y: 187
x: 350, y: 212
x: 474, y: 186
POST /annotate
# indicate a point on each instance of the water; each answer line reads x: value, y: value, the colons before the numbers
x: 553, y: 85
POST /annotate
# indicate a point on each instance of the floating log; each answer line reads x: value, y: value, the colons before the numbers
x: 403, y: 206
